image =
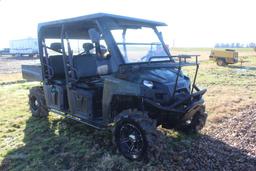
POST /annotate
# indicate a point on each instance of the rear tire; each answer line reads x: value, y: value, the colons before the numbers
x: 37, y: 102
x: 135, y: 136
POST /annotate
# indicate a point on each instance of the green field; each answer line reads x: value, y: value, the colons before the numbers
x: 56, y: 143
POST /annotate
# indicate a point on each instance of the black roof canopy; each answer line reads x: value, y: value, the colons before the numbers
x: 77, y: 27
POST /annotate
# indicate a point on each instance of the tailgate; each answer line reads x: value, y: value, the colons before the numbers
x: 31, y: 72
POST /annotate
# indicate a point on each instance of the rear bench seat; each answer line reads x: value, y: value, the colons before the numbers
x: 56, y: 62
x: 86, y: 66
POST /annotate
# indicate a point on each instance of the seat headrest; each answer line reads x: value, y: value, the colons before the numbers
x: 56, y: 46
x: 87, y: 47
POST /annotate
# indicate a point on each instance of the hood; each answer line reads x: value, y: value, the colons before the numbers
x: 163, y: 79
x: 163, y: 75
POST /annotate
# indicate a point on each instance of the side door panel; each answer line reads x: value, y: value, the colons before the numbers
x: 81, y: 102
x: 56, y: 97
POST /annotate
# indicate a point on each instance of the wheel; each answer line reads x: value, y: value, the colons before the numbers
x: 37, y: 102
x: 195, y: 124
x: 135, y: 136
x: 221, y: 62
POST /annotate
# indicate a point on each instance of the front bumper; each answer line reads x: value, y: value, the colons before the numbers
x: 195, y: 100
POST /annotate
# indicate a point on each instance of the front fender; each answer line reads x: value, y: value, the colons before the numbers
x: 114, y: 86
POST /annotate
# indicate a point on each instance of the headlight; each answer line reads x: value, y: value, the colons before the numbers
x: 148, y: 84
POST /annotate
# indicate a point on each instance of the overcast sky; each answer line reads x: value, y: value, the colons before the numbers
x: 197, y: 23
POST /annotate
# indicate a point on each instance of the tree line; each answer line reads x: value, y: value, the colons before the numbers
x: 235, y: 45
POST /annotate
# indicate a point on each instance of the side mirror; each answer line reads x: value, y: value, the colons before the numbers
x: 94, y: 35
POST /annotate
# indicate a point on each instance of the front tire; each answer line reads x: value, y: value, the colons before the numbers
x: 135, y: 136
x: 196, y: 123
x: 37, y: 102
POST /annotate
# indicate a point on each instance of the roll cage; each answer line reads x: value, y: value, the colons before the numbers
x: 77, y: 28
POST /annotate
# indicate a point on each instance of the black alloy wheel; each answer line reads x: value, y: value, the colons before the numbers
x: 130, y: 140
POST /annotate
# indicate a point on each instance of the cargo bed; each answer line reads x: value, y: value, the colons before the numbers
x: 31, y: 72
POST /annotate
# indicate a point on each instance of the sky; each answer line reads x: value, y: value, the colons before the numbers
x: 197, y: 23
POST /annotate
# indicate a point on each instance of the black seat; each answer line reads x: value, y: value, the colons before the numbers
x: 85, y: 63
x: 85, y: 66
x: 56, y: 62
x: 89, y: 65
x: 56, y: 47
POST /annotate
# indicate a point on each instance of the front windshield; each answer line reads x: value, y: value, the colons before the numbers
x: 139, y: 45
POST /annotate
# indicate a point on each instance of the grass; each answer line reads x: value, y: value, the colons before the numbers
x: 56, y: 143
x: 229, y: 88
x: 209, y: 49
x: 20, y: 134
x: 10, y: 77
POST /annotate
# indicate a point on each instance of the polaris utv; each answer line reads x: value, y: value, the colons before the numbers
x: 101, y: 70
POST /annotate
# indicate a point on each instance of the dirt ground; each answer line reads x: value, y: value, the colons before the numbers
x: 10, y: 67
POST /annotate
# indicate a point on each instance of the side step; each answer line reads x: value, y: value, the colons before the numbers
x: 98, y: 123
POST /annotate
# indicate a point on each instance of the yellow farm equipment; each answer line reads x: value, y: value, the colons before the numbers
x: 224, y: 57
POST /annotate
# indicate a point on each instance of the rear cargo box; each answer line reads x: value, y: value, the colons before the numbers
x: 31, y: 72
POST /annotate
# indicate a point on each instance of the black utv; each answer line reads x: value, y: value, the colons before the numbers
x: 113, y: 71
